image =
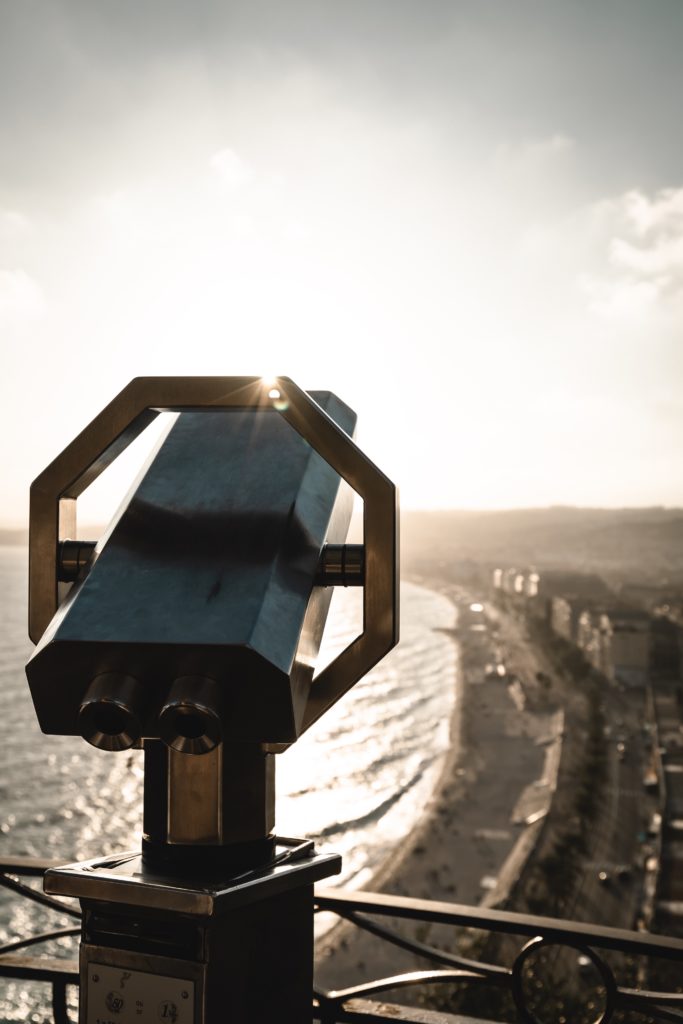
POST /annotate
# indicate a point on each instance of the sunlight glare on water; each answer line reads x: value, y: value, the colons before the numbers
x: 358, y: 778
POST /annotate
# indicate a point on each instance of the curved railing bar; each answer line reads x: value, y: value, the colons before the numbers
x: 668, y: 998
x: 29, y: 866
x: 424, y: 949
x: 12, y: 947
x: 38, y: 897
x: 501, y: 922
x: 654, y: 1003
x: 658, y: 1013
x: 662, y: 1006
x: 334, y: 997
x: 540, y: 942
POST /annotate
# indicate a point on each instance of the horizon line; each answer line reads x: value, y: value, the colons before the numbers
x: 98, y: 528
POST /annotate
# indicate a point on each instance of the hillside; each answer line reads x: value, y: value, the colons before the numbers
x: 644, y: 543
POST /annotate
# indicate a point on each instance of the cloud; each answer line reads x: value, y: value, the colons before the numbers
x: 650, y: 250
x: 663, y: 212
x: 21, y: 297
x: 639, y: 254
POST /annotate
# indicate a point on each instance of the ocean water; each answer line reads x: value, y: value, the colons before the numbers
x: 356, y: 782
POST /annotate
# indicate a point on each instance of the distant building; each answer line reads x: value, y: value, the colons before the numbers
x: 507, y: 580
x: 666, y: 650
x: 564, y: 616
x: 615, y: 639
x: 532, y: 584
x: 579, y: 588
x: 522, y: 585
x: 626, y: 637
x: 590, y: 637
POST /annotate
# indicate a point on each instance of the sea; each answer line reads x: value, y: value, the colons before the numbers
x: 357, y: 782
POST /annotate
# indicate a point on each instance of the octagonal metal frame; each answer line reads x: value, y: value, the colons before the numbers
x: 55, y: 491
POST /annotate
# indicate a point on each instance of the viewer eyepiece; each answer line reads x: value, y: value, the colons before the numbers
x: 110, y: 714
x: 189, y: 721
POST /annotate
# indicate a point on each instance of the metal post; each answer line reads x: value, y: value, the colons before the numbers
x: 156, y: 947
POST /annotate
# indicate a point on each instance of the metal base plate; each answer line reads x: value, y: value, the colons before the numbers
x: 125, y: 879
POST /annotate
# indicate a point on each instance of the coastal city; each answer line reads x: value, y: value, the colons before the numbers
x: 560, y: 793
x: 341, y: 534
x: 567, y: 797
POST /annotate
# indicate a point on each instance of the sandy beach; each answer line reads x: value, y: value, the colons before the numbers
x: 488, y: 807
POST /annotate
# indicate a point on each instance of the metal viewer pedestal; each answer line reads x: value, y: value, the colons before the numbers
x: 192, y: 628
x: 157, y: 948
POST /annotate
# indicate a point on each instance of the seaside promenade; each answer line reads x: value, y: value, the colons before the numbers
x: 486, y: 811
x: 505, y: 800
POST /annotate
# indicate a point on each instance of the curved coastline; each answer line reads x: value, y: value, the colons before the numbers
x: 480, y: 824
x: 390, y: 873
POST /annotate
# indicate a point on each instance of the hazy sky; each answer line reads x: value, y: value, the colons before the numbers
x: 466, y: 218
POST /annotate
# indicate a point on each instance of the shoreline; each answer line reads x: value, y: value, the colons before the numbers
x: 472, y: 838
x: 393, y: 865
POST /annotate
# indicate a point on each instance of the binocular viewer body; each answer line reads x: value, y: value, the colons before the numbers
x: 192, y: 629
x: 199, y: 617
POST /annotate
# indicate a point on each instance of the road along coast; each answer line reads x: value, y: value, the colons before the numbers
x: 489, y: 806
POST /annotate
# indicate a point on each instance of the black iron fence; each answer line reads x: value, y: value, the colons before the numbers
x: 557, y: 970
x: 540, y: 955
x: 15, y: 962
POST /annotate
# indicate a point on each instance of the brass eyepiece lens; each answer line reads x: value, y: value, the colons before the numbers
x: 110, y: 715
x: 189, y: 721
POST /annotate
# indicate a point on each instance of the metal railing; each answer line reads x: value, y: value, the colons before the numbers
x: 55, y: 972
x: 375, y: 913
x: 584, y: 943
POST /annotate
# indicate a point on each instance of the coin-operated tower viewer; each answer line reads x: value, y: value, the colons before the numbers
x: 192, y: 629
